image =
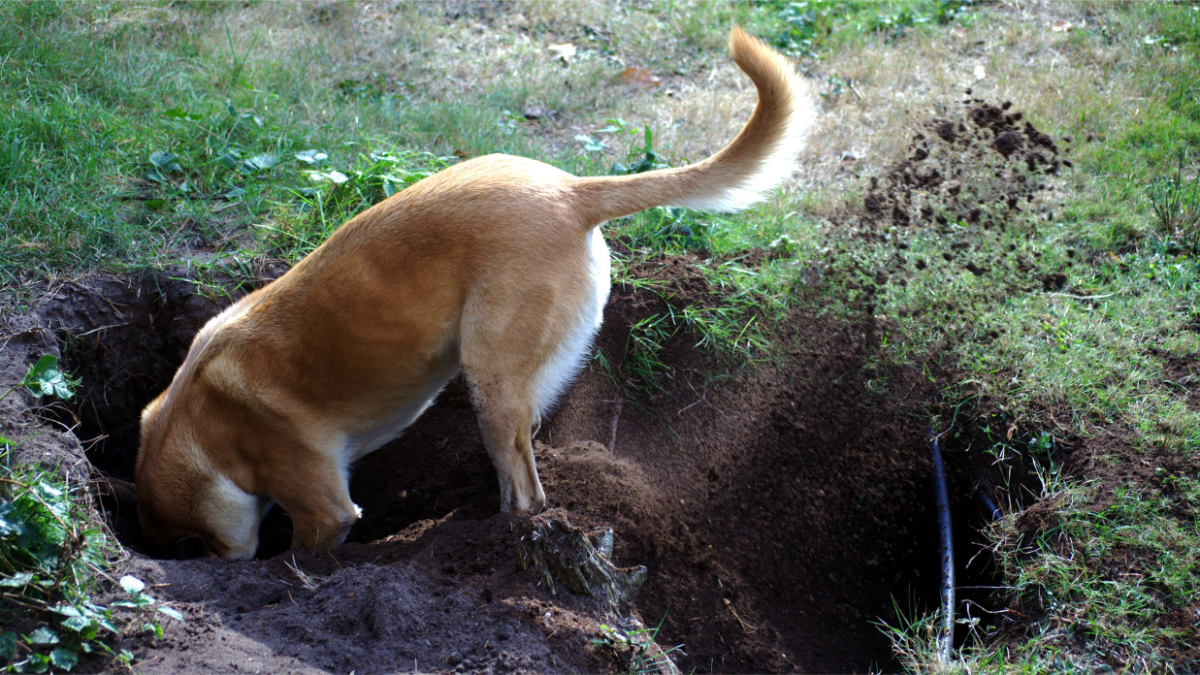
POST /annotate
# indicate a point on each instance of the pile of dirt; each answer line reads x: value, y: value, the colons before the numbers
x: 977, y: 167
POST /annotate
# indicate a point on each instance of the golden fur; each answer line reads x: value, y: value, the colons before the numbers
x: 493, y: 267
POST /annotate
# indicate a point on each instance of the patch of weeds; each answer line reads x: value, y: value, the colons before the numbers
x: 1111, y: 576
x: 337, y: 195
x: 644, y: 369
x: 45, y: 379
x: 810, y: 28
x: 636, y: 650
x: 1175, y: 201
x: 669, y: 229
x: 807, y: 25
x: 725, y: 326
x: 54, y: 557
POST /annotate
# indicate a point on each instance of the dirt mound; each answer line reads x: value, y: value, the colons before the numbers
x: 974, y: 168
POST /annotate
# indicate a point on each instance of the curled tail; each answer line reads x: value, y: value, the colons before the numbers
x: 761, y: 156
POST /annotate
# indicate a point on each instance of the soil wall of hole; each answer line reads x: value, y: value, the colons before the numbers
x: 782, y: 508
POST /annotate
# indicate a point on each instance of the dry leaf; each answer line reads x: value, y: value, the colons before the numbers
x: 564, y: 51
x: 1063, y: 26
x: 640, y: 78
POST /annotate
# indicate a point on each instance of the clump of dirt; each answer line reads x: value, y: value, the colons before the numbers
x: 976, y: 167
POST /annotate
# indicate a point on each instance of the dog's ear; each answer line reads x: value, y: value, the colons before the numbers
x: 190, y: 548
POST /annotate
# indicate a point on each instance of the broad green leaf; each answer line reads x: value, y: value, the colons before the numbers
x: 12, y: 521
x: 8, y: 646
x: 42, y: 636
x: 311, y: 156
x: 261, y: 162
x: 18, y: 580
x: 590, y: 144
x: 36, y: 663
x: 231, y: 158
x: 68, y: 610
x: 161, y: 159
x: 171, y: 613
x: 335, y: 177
x: 234, y: 193
x: 63, y: 658
x: 78, y: 624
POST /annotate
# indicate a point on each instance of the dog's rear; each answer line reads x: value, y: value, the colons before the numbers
x: 493, y: 267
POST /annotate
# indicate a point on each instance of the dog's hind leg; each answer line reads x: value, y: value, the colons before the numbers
x: 506, y: 418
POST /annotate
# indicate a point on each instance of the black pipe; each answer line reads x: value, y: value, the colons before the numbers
x: 993, y: 510
x: 946, y: 639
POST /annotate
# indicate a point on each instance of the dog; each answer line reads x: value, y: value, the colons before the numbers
x: 494, y: 267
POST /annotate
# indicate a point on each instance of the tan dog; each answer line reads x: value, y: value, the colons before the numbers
x: 494, y: 267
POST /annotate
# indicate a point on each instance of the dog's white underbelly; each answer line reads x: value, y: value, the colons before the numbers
x: 366, y: 442
x: 554, y: 376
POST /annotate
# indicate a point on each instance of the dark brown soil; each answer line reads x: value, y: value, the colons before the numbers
x: 974, y: 169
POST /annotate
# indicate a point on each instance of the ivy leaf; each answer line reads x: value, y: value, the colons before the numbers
x: 45, y: 379
x: 8, y: 646
x: 261, y: 162
x: 230, y: 158
x: 335, y: 177
x: 63, y: 658
x: 590, y: 144
x: 12, y: 522
x: 311, y: 156
x: 20, y: 579
x: 161, y: 159
x: 164, y: 161
x: 42, y: 636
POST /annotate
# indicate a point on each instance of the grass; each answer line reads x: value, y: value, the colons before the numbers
x: 141, y: 134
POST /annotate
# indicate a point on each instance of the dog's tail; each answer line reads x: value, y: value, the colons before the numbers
x: 761, y: 156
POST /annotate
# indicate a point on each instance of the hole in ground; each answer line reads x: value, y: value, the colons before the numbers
x: 780, y: 513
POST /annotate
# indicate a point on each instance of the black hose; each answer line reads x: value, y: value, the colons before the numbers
x: 946, y: 639
x: 993, y: 510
